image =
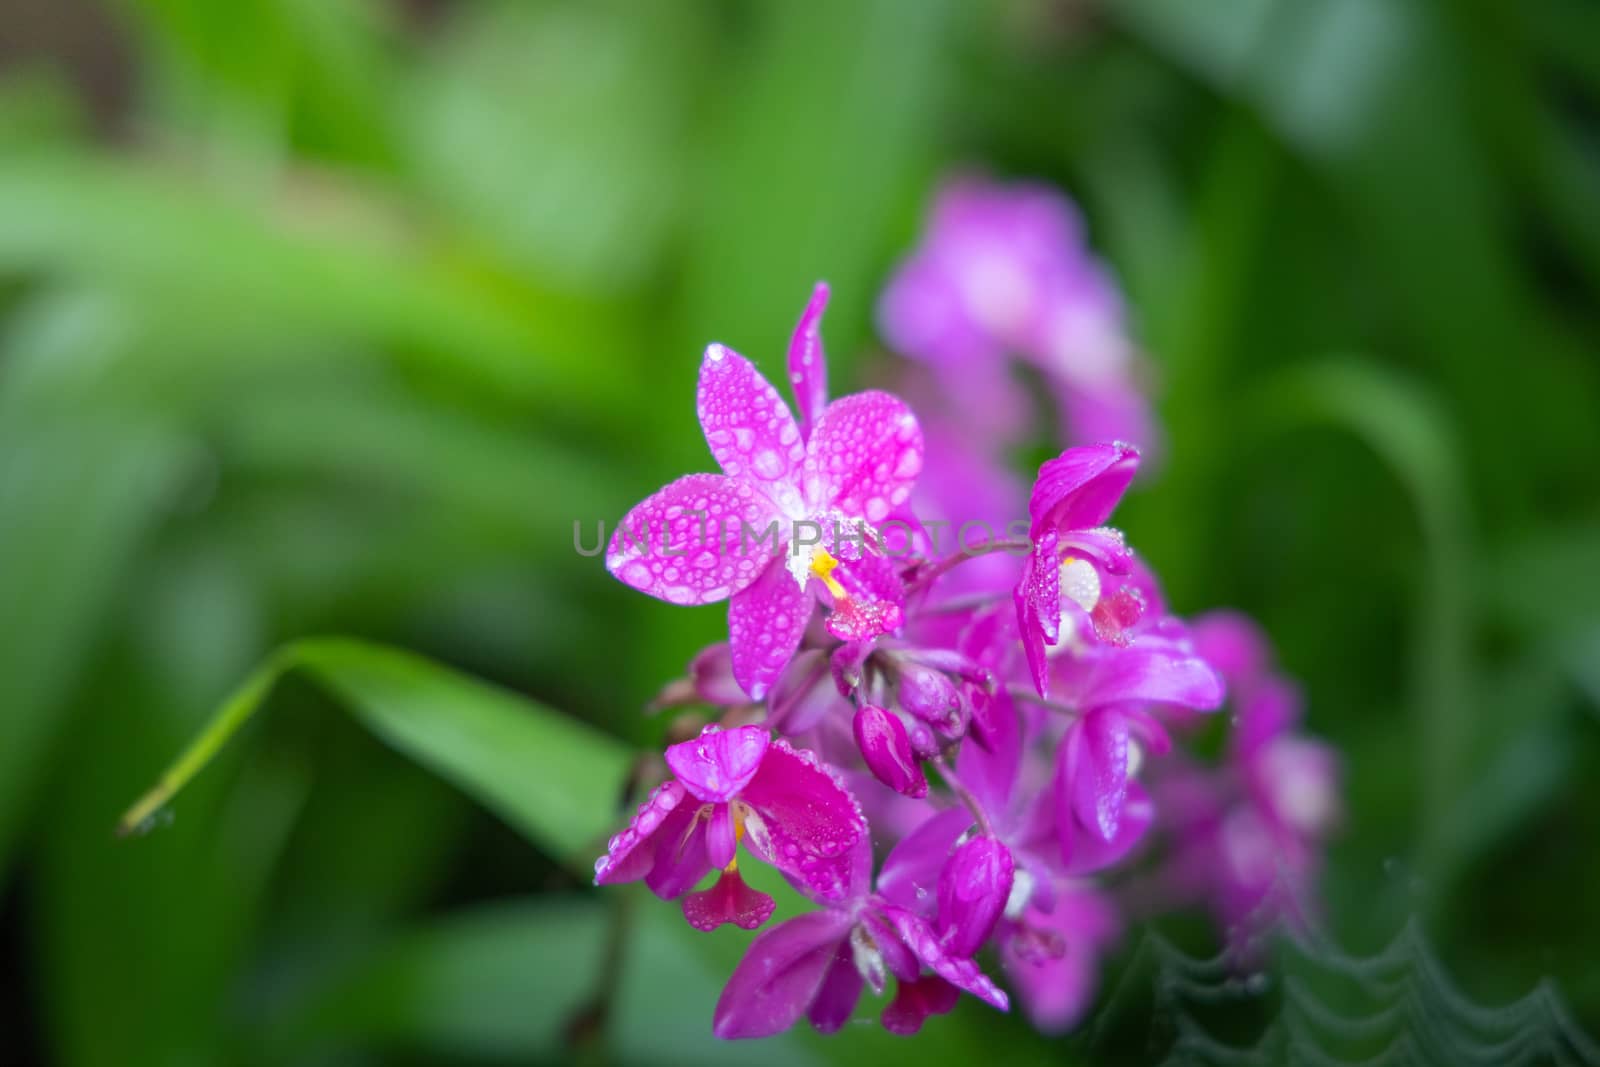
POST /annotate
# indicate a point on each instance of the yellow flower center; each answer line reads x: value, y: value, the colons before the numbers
x: 822, y: 565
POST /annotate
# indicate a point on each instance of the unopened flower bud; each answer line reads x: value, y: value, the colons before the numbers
x: 973, y: 890
x: 887, y: 749
x: 931, y: 696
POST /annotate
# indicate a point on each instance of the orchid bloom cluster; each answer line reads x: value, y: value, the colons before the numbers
x: 1245, y: 837
x: 1004, y: 274
x: 952, y: 751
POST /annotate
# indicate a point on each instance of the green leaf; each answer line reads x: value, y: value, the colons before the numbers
x: 77, y: 496
x: 337, y: 260
x: 827, y: 125
x: 552, y: 778
x: 1413, y: 437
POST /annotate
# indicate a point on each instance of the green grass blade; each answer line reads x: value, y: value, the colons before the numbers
x: 552, y: 778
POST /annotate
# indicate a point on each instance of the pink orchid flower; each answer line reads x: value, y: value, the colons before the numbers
x: 759, y: 534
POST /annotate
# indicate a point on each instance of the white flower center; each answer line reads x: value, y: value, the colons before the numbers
x: 1080, y: 584
x: 868, y: 958
x: 1021, y: 893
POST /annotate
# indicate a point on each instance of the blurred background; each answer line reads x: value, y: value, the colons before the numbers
x: 332, y: 316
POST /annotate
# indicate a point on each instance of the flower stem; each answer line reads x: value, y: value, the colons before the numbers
x: 939, y: 568
x: 949, y: 775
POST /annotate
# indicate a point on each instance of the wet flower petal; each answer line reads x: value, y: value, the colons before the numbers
x: 1095, y: 769
x: 803, y: 821
x: 750, y: 429
x: 808, y: 370
x: 681, y: 857
x: 631, y: 852
x: 765, y: 624
x: 719, y: 764
x: 683, y: 544
x: 1084, y: 851
x: 730, y: 900
x: 959, y: 972
x: 863, y: 457
x: 1081, y: 487
x: 1148, y: 672
x: 910, y: 875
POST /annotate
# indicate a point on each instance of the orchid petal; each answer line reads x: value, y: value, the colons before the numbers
x: 1085, y: 852
x: 910, y: 875
x: 1095, y: 756
x: 863, y: 456
x: 780, y: 976
x: 766, y: 621
x: 685, y: 544
x: 711, y: 673
x: 1150, y: 671
x: 631, y: 853
x: 837, y: 996
x: 681, y: 858
x: 1232, y: 643
x: 961, y: 973
x: 1080, y: 488
x: 808, y: 370
x: 804, y: 694
x: 803, y: 822
x: 722, y: 837
x: 896, y: 956
x: 730, y: 900
x: 1057, y: 987
x: 915, y: 1001
x: 750, y: 429
x: 717, y: 765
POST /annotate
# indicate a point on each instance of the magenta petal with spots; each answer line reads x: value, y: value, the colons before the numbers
x: 765, y: 624
x: 780, y: 976
x: 683, y: 544
x: 1038, y: 603
x: 804, y: 822
x: 750, y: 429
x: 717, y: 765
x: 808, y: 370
x: 632, y: 852
x: 863, y: 456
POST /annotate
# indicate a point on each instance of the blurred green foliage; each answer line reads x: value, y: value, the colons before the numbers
x: 334, y: 315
